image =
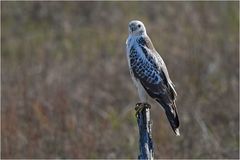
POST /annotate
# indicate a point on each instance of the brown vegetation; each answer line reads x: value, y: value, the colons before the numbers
x: 66, y: 89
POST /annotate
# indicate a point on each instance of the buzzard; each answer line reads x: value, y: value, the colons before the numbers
x: 149, y: 72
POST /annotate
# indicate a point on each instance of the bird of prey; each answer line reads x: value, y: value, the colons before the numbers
x: 149, y: 72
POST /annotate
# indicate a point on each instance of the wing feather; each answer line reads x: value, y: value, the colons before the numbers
x: 151, y: 70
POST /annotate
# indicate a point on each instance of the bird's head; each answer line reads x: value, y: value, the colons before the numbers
x: 136, y: 28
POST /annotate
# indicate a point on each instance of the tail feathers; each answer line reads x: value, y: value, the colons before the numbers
x: 172, y: 116
x: 177, y: 132
x: 174, y: 121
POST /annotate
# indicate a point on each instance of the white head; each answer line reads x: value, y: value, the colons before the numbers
x: 136, y: 28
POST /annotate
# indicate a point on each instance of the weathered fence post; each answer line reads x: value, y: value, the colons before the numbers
x: 145, y: 132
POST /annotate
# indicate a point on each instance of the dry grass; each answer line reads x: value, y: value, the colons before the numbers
x: 66, y: 89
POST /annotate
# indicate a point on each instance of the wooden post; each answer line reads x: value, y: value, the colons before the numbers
x: 144, y: 125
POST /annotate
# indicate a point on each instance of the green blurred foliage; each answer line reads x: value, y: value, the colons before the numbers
x: 67, y: 92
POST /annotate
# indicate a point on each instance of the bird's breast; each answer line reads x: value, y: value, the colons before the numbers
x: 142, y: 67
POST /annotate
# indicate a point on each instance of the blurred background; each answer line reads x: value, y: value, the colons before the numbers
x: 67, y: 93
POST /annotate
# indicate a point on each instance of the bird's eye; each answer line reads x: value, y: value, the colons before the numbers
x: 139, y: 26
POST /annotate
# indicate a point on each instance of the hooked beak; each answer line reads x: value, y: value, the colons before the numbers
x: 132, y: 27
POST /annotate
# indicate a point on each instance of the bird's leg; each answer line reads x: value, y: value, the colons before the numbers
x: 140, y: 106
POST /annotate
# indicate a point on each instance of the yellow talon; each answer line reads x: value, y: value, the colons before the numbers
x: 140, y: 106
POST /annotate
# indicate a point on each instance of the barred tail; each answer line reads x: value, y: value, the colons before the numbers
x: 172, y: 115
